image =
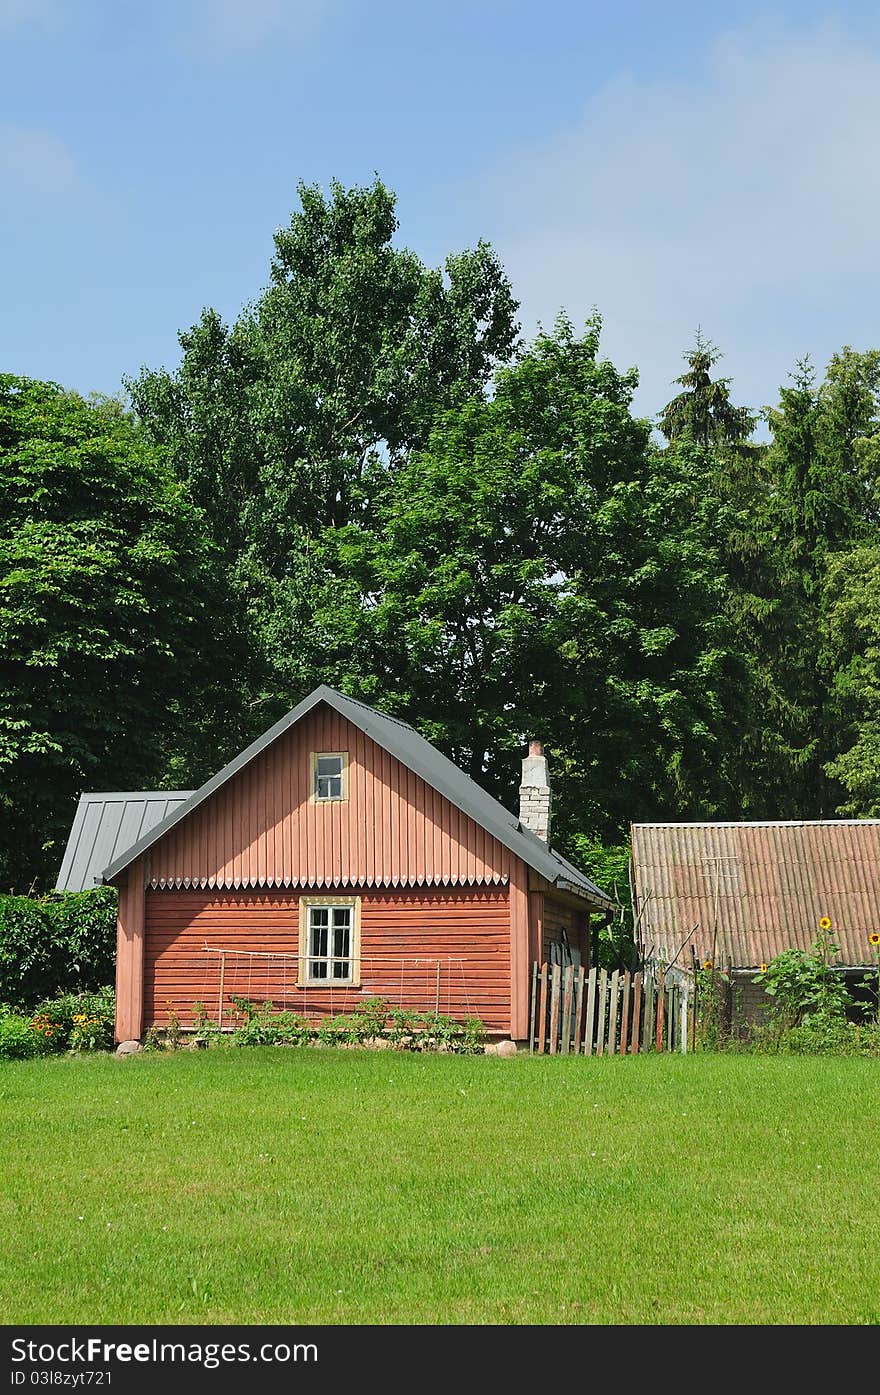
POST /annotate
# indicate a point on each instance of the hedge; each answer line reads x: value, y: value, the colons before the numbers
x: 64, y: 942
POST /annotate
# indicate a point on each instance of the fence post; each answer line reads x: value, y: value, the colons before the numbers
x: 578, y: 1009
x: 589, y: 1025
x: 533, y: 1008
x: 603, y: 998
x: 612, y: 1014
x: 650, y: 999
x: 542, y: 1012
x: 568, y: 986
x: 624, y: 1020
x: 554, y: 1007
x: 637, y: 1014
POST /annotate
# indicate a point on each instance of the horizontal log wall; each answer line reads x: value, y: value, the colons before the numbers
x: 404, y: 933
x: 262, y: 828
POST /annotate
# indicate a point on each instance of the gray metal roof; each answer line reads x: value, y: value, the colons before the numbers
x: 404, y: 743
x: 104, y: 825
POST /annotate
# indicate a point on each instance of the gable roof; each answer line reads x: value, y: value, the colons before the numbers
x: 404, y: 743
x: 755, y: 889
x: 104, y: 825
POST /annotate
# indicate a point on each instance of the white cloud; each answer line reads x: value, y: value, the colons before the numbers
x: 36, y: 162
x: 745, y: 199
x: 239, y: 24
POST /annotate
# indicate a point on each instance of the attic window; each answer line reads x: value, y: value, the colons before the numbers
x: 329, y: 772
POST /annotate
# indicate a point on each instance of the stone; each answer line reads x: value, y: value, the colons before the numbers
x: 505, y: 1048
x: 128, y: 1048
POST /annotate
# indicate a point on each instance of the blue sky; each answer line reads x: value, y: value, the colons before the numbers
x: 670, y: 163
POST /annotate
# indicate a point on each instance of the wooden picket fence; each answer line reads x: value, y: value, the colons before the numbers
x: 596, y: 1013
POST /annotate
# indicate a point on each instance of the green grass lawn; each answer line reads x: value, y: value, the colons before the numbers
x: 276, y: 1185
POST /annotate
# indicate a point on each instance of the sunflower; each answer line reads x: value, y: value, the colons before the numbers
x: 874, y: 937
x: 824, y: 923
x: 763, y: 969
x: 707, y: 964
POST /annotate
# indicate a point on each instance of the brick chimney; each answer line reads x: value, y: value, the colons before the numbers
x: 534, y: 793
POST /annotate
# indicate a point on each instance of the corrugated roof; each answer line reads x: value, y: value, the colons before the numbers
x: 104, y: 825
x: 404, y: 743
x: 755, y: 889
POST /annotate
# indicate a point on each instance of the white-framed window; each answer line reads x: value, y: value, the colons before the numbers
x: 330, y: 940
x: 329, y: 776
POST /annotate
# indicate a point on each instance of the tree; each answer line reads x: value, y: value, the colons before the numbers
x: 284, y: 424
x: 704, y: 409
x: 105, y: 614
x: 539, y: 569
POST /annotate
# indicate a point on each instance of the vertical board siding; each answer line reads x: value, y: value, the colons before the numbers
x: 559, y: 916
x: 403, y: 935
x: 263, y: 829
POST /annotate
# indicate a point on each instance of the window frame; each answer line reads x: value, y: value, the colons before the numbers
x: 350, y: 903
x: 314, y: 757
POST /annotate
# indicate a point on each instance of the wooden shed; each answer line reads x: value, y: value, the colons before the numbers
x: 736, y: 894
x: 338, y: 857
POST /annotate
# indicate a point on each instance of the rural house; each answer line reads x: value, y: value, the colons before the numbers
x: 340, y: 856
x: 737, y: 894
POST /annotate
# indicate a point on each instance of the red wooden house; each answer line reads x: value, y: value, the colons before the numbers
x: 340, y: 856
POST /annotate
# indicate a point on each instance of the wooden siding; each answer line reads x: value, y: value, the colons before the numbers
x: 262, y: 828
x: 130, y: 940
x: 559, y: 916
x: 404, y: 933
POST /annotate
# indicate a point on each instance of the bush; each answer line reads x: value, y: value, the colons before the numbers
x: 804, y: 984
x: 265, y: 1028
x: 78, y: 1021
x: 20, y: 1039
x: 432, y: 1031
x: 64, y: 942
x: 819, y: 1035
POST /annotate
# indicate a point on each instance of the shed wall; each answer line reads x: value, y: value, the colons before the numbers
x: 558, y: 917
x: 404, y: 932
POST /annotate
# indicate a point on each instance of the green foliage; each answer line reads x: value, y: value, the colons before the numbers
x: 68, y: 1022
x: 78, y: 1021
x: 713, y: 1008
x: 540, y: 568
x: 20, y: 1039
x: 285, y: 424
x: 704, y: 411
x: 63, y: 941
x: 105, y: 604
x: 805, y: 984
x: 267, y: 1028
x: 431, y: 1031
x: 818, y: 1035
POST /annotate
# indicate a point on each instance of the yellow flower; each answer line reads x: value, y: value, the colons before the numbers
x: 763, y: 968
x: 707, y: 963
x: 824, y: 923
x: 874, y: 938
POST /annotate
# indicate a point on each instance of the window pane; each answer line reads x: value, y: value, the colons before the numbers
x: 330, y: 943
x: 319, y: 934
x: 341, y: 942
x: 328, y: 777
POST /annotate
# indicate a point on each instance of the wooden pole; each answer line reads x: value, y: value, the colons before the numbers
x: 534, y: 1008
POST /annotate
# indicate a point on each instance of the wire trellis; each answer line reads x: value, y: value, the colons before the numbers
x: 273, y: 976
